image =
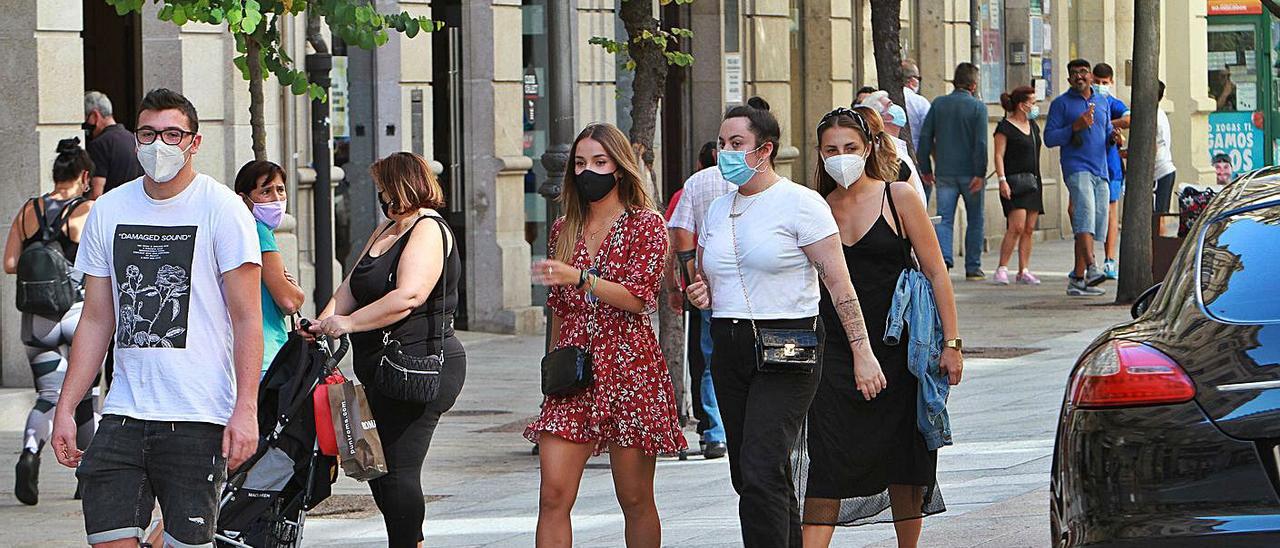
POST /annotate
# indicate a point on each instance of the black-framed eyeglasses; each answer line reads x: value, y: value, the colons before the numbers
x: 170, y: 136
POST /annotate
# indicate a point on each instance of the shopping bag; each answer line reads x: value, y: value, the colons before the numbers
x: 326, y: 439
x: 359, y: 447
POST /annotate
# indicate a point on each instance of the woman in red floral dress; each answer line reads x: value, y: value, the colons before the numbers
x: 610, y: 247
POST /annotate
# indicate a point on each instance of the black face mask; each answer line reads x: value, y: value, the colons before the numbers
x: 594, y: 186
x: 386, y: 206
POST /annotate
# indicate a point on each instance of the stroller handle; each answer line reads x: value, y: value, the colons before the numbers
x: 326, y: 342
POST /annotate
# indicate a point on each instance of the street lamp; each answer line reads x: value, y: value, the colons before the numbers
x: 560, y: 92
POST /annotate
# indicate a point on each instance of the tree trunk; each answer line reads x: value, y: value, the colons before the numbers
x: 651, y: 76
x: 1135, y: 241
x: 647, y: 90
x: 256, y: 119
x: 886, y: 33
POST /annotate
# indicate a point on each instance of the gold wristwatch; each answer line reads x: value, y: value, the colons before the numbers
x: 955, y: 343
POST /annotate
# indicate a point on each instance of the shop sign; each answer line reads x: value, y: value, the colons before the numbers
x: 1235, y: 7
x: 732, y: 78
x: 1237, y: 135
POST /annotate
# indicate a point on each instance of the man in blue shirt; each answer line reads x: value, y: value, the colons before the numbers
x: 1083, y: 136
x: 1104, y: 79
x: 954, y: 137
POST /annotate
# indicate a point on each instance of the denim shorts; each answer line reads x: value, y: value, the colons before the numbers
x: 1089, y: 197
x: 133, y: 463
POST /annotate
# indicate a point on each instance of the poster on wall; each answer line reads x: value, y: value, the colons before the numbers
x: 733, y: 78
x: 1238, y: 135
x: 1235, y: 7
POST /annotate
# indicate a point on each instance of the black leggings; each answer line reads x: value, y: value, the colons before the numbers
x: 405, y: 429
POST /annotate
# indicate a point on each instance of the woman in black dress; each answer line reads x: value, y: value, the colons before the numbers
x: 404, y: 289
x: 1017, y: 154
x: 868, y: 462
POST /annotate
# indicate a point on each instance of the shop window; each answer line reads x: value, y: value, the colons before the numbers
x: 1233, y: 67
x: 732, y: 27
x: 991, y: 24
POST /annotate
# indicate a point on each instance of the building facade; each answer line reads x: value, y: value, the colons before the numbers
x: 473, y: 98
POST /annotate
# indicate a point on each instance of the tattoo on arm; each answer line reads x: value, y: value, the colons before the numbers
x: 850, y: 313
x: 822, y: 270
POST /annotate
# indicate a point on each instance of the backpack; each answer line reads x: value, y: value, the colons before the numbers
x: 45, y: 287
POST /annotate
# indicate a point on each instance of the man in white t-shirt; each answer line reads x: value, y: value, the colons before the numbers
x: 172, y: 270
x: 1165, y: 171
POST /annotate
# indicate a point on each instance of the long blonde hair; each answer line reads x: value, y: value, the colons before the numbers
x: 631, y: 189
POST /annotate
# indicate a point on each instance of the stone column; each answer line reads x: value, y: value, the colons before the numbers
x: 1185, y: 63
x: 707, y: 76
x: 767, y: 56
x: 43, y: 103
x: 497, y: 256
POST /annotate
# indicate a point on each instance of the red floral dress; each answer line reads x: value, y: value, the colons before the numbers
x: 632, y: 401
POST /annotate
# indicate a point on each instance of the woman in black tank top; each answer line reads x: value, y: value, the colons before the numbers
x: 379, y: 302
x: 48, y: 339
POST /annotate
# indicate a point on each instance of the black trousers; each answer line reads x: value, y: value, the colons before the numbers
x: 1164, y: 193
x: 405, y: 429
x: 763, y: 414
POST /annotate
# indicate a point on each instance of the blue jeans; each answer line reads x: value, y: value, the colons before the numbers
x: 1089, y: 197
x: 949, y: 190
x: 715, y: 426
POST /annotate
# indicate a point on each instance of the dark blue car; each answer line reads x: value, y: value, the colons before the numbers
x: 1170, y: 429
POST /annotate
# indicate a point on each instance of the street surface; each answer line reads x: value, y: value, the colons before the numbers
x: 482, y: 482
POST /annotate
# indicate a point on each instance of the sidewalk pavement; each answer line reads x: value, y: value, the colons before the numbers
x: 482, y: 483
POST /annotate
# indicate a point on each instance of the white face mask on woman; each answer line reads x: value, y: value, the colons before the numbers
x: 846, y: 169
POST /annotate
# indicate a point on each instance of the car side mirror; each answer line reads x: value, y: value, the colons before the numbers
x: 1143, y: 302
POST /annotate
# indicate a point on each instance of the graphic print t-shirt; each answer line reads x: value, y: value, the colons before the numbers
x: 165, y: 259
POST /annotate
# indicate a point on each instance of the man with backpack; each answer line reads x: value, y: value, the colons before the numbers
x: 41, y: 246
x: 172, y: 275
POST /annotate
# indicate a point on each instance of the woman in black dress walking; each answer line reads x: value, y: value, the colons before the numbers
x: 404, y: 289
x: 868, y: 462
x: 1017, y: 154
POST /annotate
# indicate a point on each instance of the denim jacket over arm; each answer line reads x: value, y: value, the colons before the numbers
x: 914, y: 306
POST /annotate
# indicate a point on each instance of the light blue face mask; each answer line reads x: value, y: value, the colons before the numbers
x: 733, y: 165
x: 1034, y: 112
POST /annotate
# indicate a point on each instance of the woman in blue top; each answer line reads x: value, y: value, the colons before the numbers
x: 261, y: 185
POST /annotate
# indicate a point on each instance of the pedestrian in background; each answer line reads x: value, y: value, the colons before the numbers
x: 764, y: 249
x: 895, y: 118
x: 953, y: 157
x: 56, y: 218
x: 261, y: 185
x: 917, y: 105
x: 1165, y: 172
x: 605, y: 264
x: 862, y: 94
x: 172, y: 276
x: 868, y: 460
x: 402, y: 295
x: 1104, y: 79
x: 683, y: 218
x: 1017, y: 156
x: 1079, y: 123
x: 111, y: 146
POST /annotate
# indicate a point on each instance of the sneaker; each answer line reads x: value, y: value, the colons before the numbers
x: 1002, y: 276
x: 1077, y: 288
x: 27, y: 478
x: 1093, y: 276
x: 975, y: 275
x: 1027, y: 278
x: 1110, y: 269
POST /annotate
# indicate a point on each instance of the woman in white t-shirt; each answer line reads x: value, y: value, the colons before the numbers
x: 762, y: 251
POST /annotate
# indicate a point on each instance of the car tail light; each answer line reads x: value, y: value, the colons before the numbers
x: 1129, y: 374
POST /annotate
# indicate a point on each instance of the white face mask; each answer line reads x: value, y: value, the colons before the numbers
x: 846, y: 169
x: 1104, y: 90
x: 161, y: 161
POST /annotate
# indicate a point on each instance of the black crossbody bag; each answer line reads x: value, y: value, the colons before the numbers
x: 406, y: 377
x: 567, y: 371
x: 777, y: 350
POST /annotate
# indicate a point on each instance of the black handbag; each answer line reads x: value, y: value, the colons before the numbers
x: 567, y: 371
x: 777, y: 350
x: 1021, y: 184
x: 406, y: 377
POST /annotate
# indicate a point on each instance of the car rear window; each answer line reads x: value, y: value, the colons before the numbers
x: 1240, y: 266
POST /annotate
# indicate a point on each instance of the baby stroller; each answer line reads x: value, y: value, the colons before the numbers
x: 265, y: 501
